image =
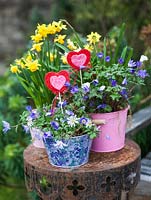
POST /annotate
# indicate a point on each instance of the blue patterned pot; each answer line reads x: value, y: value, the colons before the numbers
x: 68, y: 153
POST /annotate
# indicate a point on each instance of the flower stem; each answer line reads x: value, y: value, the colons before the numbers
x: 81, y: 78
x: 60, y: 103
x: 75, y: 33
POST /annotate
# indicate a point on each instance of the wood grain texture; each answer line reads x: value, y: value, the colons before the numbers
x: 104, y: 177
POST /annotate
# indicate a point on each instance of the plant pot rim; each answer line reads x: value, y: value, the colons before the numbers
x: 70, y: 137
x: 108, y: 113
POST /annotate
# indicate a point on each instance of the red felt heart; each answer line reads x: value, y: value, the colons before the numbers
x: 78, y: 59
x: 56, y: 81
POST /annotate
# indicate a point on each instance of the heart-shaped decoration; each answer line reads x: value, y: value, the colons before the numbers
x: 56, y: 81
x: 78, y: 59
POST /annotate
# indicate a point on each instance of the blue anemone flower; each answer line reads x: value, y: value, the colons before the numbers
x: 120, y: 61
x: 100, y: 55
x: 107, y: 59
x: 74, y: 89
x: 6, y: 126
x: 55, y: 125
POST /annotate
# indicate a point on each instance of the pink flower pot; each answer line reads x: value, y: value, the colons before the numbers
x: 112, y: 134
x: 37, y: 137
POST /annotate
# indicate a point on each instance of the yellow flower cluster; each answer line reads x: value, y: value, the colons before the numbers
x: 42, y: 50
x: 44, y: 30
x: 26, y: 63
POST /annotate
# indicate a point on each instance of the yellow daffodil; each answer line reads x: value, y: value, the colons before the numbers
x: 71, y: 45
x: 60, y: 39
x: 14, y: 69
x: 93, y: 38
x: 33, y: 65
x: 59, y: 26
x: 20, y: 63
x: 37, y: 47
x: 36, y: 38
x: 88, y: 47
x: 51, y: 29
x: 27, y: 59
x: 64, y: 60
x: 42, y: 30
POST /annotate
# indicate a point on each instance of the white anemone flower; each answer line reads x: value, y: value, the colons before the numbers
x: 72, y: 120
x: 143, y: 58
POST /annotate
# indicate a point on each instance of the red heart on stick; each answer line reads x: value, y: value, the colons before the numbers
x: 78, y: 59
x: 55, y: 81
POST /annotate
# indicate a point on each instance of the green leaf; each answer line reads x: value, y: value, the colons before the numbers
x: 62, y: 47
x: 121, y: 35
x: 124, y: 53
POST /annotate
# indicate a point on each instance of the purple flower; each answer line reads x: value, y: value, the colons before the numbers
x: 26, y: 128
x: 138, y: 63
x: 131, y: 63
x: 34, y: 114
x: 67, y: 84
x: 6, y: 126
x: 55, y: 125
x: 124, y: 82
x: 74, y: 89
x: 91, y: 104
x: 85, y: 97
x: 69, y: 112
x: 132, y: 71
x: 86, y: 87
x: 113, y: 82
x: 123, y: 92
x: 100, y: 55
x: 120, y: 61
x: 103, y: 105
x: 95, y: 82
x: 107, y: 59
x: 63, y: 103
x: 84, y: 120
x: 142, y: 73
x: 29, y: 108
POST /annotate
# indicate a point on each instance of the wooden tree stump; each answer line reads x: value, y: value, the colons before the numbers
x: 107, y: 176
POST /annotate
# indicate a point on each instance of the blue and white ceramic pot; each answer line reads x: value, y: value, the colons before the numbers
x: 68, y: 153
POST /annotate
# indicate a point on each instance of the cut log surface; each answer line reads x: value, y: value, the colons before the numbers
x: 105, y: 177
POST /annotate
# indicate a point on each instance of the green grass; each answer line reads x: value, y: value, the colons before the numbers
x: 8, y: 193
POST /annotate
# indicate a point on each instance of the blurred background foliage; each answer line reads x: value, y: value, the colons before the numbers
x: 86, y: 16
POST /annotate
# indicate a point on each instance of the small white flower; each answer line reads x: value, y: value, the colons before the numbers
x: 60, y: 144
x: 72, y: 120
x: 143, y: 58
x: 102, y: 88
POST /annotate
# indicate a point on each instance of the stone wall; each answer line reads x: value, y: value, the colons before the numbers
x: 15, y: 23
